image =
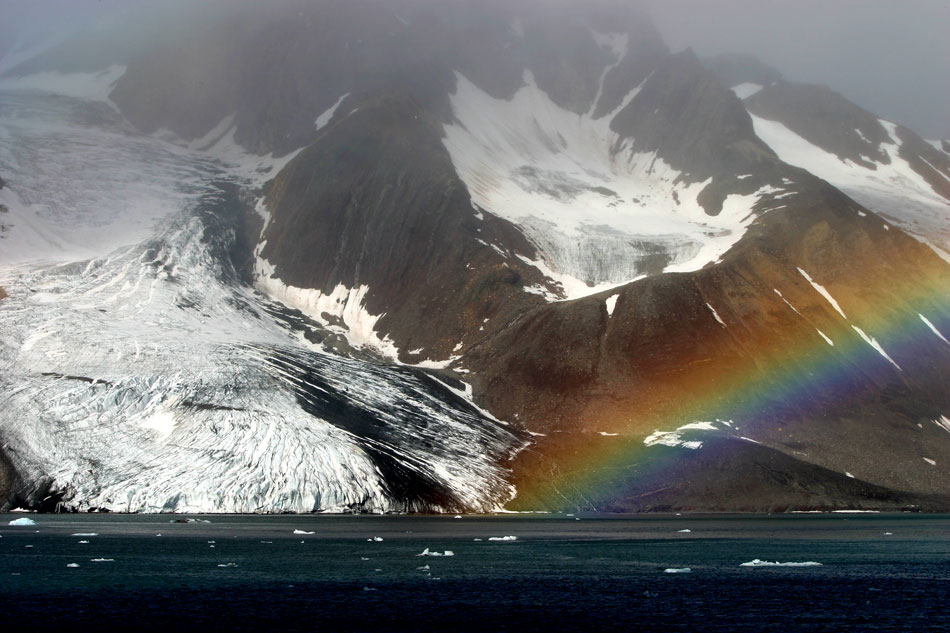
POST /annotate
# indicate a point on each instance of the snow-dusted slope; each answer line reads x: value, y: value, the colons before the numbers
x: 149, y: 379
x: 598, y: 212
x: 885, y: 183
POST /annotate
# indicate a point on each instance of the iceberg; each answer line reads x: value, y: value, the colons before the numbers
x: 765, y: 563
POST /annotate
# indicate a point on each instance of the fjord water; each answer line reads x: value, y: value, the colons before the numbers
x: 319, y: 572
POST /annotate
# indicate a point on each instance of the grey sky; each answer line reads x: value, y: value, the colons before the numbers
x: 892, y: 57
x: 889, y: 56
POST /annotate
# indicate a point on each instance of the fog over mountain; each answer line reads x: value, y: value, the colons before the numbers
x: 892, y: 58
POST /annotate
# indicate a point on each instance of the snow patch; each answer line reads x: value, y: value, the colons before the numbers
x: 930, y: 461
x: 342, y: 304
x: 824, y: 293
x: 594, y: 208
x: 611, y: 303
x: 327, y: 114
x: 746, y: 89
x: 933, y: 328
x: 891, y: 187
x: 675, y: 438
x: 22, y: 521
x: 870, y: 340
x: 716, y: 315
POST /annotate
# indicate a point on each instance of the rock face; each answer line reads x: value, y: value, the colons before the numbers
x: 688, y: 296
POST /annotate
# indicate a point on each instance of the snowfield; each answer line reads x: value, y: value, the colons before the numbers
x: 139, y: 375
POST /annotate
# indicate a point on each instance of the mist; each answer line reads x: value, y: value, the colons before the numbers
x: 892, y: 58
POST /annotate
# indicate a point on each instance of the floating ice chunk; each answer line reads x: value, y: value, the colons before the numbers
x: 502, y: 538
x: 23, y: 521
x: 611, y: 303
x: 86, y: 534
x: 302, y: 532
x: 423, y: 568
x: 457, y: 516
x: 677, y: 570
x: 477, y: 539
x: 426, y: 552
x: 856, y: 511
x: 227, y: 564
x: 72, y: 565
x: 102, y: 560
x: 83, y: 542
x: 888, y: 534
x: 687, y: 531
x: 765, y: 563
x: 375, y: 539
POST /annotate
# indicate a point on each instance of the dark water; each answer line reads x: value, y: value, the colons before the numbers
x: 598, y: 573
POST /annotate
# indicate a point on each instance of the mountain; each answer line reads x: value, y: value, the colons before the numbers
x: 419, y: 256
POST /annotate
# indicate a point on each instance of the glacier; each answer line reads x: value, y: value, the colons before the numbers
x: 140, y: 374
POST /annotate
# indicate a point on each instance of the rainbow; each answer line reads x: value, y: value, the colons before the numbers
x: 821, y: 362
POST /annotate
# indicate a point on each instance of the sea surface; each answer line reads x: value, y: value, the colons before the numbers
x: 561, y: 573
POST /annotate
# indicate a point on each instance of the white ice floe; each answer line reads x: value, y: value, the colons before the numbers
x: 85, y: 534
x: 764, y: 563
x: 426, y: 552
x: 302, y: 532
x: 502, y: 538
x: 102, y: 560
x: 227, y: 564
x: 73, y: 565
x: 375, y: 539
x: 677, y: 570
x: 686, y: 531
x: 22, y: 521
